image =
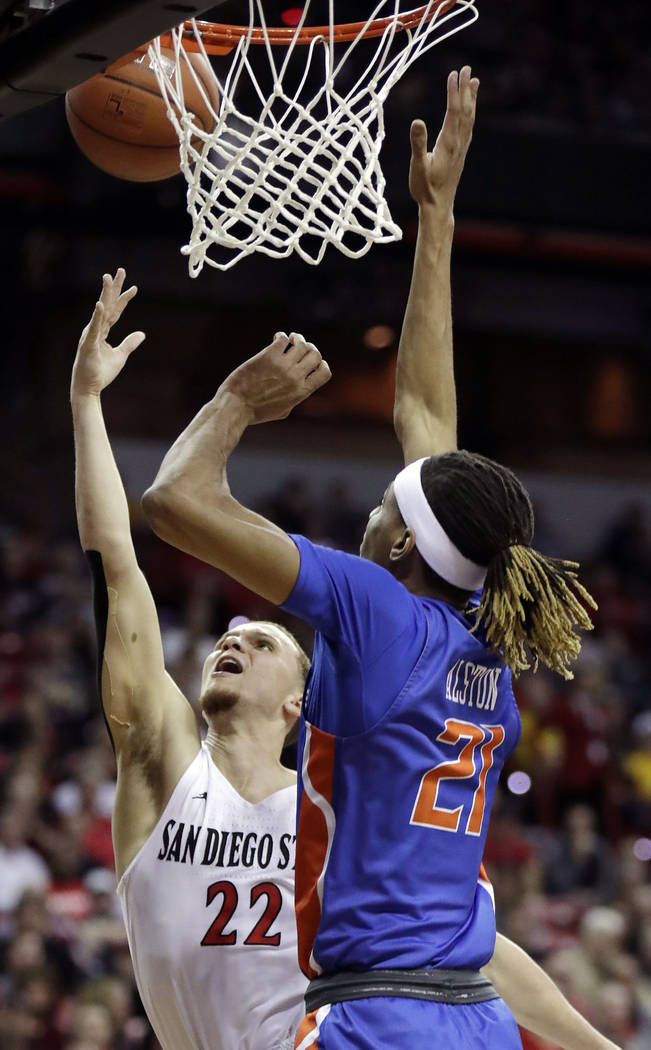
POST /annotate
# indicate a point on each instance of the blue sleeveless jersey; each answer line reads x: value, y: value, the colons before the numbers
x: 407, y: 721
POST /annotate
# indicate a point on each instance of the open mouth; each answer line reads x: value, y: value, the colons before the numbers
x: 228, y: 665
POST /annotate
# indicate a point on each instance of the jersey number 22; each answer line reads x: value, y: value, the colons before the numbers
x: 216, y: 933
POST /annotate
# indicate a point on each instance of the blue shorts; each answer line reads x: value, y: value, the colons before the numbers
x: 390, y: 1023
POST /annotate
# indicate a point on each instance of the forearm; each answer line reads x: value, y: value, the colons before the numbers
x: 190, y: 505
x: 425, y: 403
x: 101, y: 503
x: 537, y: 1003
x: 195, y: 468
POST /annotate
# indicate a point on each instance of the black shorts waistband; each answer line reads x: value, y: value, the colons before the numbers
x: 439, y: 986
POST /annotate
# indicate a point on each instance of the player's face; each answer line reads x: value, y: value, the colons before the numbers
x: 383, y: 528
x: 254, y: 666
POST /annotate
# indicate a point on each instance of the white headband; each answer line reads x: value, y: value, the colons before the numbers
x: 432, y: 542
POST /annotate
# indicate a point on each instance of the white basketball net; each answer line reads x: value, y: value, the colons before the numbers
x: 304, y: 171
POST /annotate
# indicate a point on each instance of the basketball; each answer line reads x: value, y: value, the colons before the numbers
x: 119, y: 120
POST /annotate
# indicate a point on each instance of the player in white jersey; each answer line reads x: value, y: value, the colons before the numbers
x: 204, y: 834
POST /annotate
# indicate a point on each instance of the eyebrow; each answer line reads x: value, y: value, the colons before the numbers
x: 257, y: 633
x: 265, y: 636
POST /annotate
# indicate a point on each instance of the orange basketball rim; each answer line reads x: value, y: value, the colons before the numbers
x: 220, y: 38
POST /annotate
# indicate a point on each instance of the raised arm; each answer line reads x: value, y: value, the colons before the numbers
x: 537, y: 1003
x: 190, y: 503
x: 145, y: 712
x: 425, y: 411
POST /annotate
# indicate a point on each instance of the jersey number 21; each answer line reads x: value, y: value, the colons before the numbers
x: 483, y: 739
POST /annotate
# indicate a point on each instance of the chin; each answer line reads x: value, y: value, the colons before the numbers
x: 215, y: 700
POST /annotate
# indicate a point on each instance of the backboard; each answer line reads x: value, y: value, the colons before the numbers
x: 48, y: 46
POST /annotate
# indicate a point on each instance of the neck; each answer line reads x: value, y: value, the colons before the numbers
x: 249, y: 757
x: 429, y: 585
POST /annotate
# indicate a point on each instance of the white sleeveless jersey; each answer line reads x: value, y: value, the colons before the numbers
x: 208, y: 904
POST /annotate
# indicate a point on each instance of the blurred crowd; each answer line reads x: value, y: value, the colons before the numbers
x: 571, y: 65
x: 569, y: 848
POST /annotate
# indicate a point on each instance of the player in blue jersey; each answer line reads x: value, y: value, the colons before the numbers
x: 408, y: 714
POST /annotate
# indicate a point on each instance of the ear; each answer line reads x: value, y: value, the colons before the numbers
x: 403, y: 545
x: 292, y: 707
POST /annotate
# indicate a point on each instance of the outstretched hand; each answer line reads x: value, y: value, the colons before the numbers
x: 97, y: 362
x: 434, y: 177
x: 277, y: 379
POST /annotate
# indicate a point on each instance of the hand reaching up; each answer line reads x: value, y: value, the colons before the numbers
x: 277, y: 379
x: 97, y: 362
x: 434, y: 177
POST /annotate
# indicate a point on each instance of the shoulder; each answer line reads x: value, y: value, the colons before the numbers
x: 350, y: 600
x: 344, y: 570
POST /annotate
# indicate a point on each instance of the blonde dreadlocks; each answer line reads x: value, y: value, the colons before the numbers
x: 529, y: 608
x: 531, y: 605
